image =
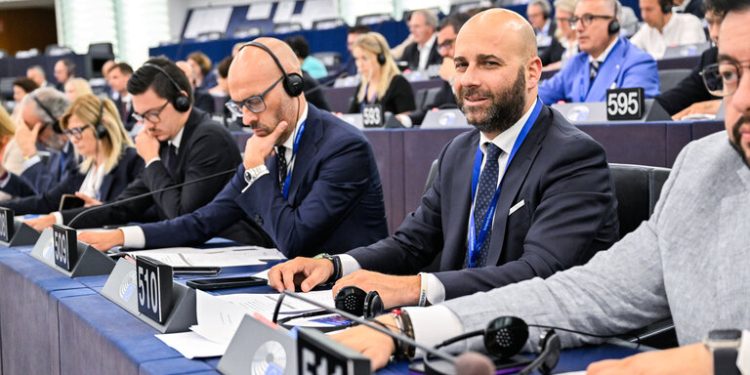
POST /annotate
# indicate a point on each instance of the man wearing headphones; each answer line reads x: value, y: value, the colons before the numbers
x: 308, y: 178
x: 538, y: 12
x: 178, y: 143
x: 606, y: 60
x: 664, y: 29
x: 46, y: 167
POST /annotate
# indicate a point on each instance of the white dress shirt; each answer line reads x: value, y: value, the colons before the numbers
x: 424, y: 52
x: 430, y: 283
x: 91, y: 185
x: 681, y: 29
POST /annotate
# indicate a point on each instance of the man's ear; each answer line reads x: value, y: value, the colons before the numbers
x: 533, y: 71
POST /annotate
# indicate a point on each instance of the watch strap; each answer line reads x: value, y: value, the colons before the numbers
x: 725, y: 361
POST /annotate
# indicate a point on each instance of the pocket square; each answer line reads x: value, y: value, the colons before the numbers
x: 516, y: 207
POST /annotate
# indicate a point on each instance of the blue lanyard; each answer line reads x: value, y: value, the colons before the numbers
x: 295, y: 148
x: 476, y: 242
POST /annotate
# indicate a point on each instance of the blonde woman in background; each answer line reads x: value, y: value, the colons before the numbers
x: 381, y: 81
x: 565, y: 44
x: 76, y: 87
x: 109, y: 161
x: 7, y: 129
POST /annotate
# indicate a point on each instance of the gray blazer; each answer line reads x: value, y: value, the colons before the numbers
x: 690, y: 260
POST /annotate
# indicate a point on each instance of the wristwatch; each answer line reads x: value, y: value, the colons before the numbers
x: 255, y: 173
x: 336, y: 266
x: 723, y: 344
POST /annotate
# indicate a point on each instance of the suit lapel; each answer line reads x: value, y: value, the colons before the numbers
x: 107, y: 185
x: 460, y: 203
x: 513, y: 180
x: 308, y: 148
x: 608, y: 73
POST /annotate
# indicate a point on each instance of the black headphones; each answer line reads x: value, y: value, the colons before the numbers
x: 293, y: 83
x: 666, y: 6
x: 100, y: 131
x: 181, y: 102
x: 55, y: 121
x: 381, y: 55
x: 614, y: 25
x: 358, y: 302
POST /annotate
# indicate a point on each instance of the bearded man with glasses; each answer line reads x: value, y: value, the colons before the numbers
x: 307, y: 178
x: 606, y: 60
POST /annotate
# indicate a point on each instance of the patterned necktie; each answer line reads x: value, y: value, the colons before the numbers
x: 281, y: 164
x: 593, y: 70
x: 485, y: 191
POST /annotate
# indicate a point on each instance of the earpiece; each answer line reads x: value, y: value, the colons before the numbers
x: 100, y: 131
x: 181, y: 102
x: 666, y: 6
x: 293, y: 83
x: 614, y: 26
x: 358, y: 302
x: 55, y: 121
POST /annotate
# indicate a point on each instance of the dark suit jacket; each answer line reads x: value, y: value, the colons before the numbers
x: 114, y: 182
x: 411, y: 56
x: 553, y: 53
x: 397, y: 99
x: 335, y: 198
x: 691, y: 89
x: 44, y: 175
x: 695, y: 7
x: 443, y: 99
x: 314, y: 92
x: 206, y: 148
x: 569, y: 213
x: 125, y: 110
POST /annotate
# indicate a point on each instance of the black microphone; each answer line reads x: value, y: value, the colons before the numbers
x: 140, y: 196
x: 374, y: 326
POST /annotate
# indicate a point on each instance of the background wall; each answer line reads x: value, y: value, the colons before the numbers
x: 22, y: 29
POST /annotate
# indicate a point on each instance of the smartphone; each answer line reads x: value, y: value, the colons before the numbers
x: 196, y: 270
x: 69, y: 201
x: 226, y: 282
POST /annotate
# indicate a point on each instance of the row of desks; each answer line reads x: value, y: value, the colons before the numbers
x: 51, y: 324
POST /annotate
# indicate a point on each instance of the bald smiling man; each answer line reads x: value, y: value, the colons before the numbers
x: 528, y: 192
x: 309, y: 179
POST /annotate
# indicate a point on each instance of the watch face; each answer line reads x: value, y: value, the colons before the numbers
x: 725, y: 334
x: 248, y: 176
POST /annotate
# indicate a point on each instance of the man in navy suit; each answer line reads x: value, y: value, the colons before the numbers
x: 524, y: 195
x: 309, y: 179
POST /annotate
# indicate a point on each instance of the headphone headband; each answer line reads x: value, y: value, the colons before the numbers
x: 55, y: 121
x: 293, y: 82
x: 181, y: 102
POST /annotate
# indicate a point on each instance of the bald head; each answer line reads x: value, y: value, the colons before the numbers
x: 504, y: 30
x: 249, y: 58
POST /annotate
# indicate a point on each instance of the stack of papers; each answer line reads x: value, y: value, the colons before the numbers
x: 220, y: 316
x: 220, y: 257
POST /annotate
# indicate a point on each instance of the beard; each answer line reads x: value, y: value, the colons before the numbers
x: 737, y: 136
x: 506, y: 106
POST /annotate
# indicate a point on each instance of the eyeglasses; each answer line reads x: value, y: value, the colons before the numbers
x: 448, y: 43
x: 254, y: 104
x: 586, y: 19
x: 76, y: 133
x: 722, y: 79
x: 151, y: 116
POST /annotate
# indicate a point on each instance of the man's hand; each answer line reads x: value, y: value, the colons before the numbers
x: 102, y: 240
x: 394, y: 290
x: 306, y: 272
x: 371, y: 343
x: 258, y: 148
x: 686, y: 360
x: 41, y: 223
x: 146, y: 145
x: 26, y: 138
x: 88, y: 201
x: 710, y: 107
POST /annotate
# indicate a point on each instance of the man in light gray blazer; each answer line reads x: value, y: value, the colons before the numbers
x: 690, y: 260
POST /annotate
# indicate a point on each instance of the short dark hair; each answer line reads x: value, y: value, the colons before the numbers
x: 147, y: 76
x: 223, y: 67
x: 25, y: 84
x: 299, y: 45
x: 455, y: 20
x: 722, y: 7
x: 70, y: 66
x: 125, y: 68
x: 358, y: 29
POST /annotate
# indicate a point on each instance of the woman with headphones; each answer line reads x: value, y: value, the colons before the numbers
x: 108, y: 164
x: 381, y: 81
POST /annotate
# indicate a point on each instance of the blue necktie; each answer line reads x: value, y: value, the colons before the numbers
x: 485, y: 190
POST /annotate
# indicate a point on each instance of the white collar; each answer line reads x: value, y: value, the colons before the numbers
x: 177, y: 139
x: 428, y: 44
x: 681, y: 8
x: 506, y: 139
x: 289, y: 143
x: 603, y: 57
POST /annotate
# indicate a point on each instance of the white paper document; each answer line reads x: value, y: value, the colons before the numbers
x: 219, y: 257
x: 192, y: 345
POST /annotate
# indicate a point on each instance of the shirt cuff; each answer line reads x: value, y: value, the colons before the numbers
x: 58, y: 218
x: 743, y: 354
x: 133, y: 237
x: 5, y: 180
x: 152, y: 161
x: 428, y: 333
x: 435, y: 289
x: 28, y: 163
x: 348, y: 264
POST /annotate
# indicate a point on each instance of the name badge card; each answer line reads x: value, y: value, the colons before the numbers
x: 65, y: 246
x: 6, y: 224
x: 372, y: 116
x: 625, y: 104
x: 154, y: 285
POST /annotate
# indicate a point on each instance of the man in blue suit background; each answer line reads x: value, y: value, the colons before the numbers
x: 308, y: 178
x: 606, y: 60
